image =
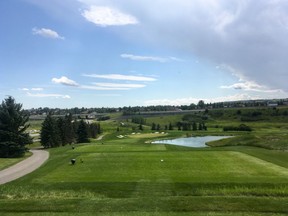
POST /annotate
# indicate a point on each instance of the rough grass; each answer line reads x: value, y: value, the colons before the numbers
x: 7, y: 162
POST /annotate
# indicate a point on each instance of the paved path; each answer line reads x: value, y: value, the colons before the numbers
x: 100, y: 137
x: 24, y: 167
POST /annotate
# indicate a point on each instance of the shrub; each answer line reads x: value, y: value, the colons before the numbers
x: 241, y: 127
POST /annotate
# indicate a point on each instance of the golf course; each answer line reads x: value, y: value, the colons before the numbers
x: 124, y: 173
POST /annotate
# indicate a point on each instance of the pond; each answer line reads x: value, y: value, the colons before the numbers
x: 196, y: 142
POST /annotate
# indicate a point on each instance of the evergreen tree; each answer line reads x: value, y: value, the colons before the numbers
x: 60, y: 125
x: 179, y: 125
x: 185, y: 126
x: 69, y: 133
x: 99, y: 131
x: 153, y: 127
x: 200, y: 126
x: 170, y: 126
x: 13, y: 124
x: 50, y: 133
x: 194, y: 126
x: 82, y: 132
x: 204, y: 127
x: 94, y: 130
x: 158, y: 127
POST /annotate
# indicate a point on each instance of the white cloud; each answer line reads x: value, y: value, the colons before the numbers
x: 120, y: 77
x: 247, y: 35
x: 65, y: 81
x: 32, y: 89
x: 250, y: 86
x: 105, y: 86
x: 48, y: 95
x: 150, y: 58
x: 48, y: 33
x: 107, y: 16
x: 119, y: 85
x: 115, y: 86
x: 176, y: 59
x: 36, y: 89
x: 112, y: 86
x: 144, y: 58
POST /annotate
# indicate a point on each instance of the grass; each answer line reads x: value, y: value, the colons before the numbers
x: 127, y: 177
x: 130, y: 176
x: 7, y: 162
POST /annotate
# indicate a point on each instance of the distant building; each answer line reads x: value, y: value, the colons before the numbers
x: 272, y: 104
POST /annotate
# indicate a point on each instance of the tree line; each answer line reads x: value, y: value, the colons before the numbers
x: 65, y: 130
x: 156, y: 108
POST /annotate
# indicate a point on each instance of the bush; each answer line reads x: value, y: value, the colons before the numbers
x: 241, y: 127
x: 103, y: 118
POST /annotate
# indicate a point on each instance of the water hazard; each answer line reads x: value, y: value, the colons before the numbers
x: 196, y: 142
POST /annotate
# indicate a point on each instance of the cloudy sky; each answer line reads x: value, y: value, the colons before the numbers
x: 111, y: 53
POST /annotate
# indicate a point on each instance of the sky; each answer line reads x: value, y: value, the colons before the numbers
x: 112, y: 53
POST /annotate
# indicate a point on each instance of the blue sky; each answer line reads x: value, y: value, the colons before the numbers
x: 110, y: 53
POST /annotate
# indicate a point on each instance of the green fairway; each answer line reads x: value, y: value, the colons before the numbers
x: 129, y: 176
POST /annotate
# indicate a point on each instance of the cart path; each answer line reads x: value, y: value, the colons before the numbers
x: 100, y: 137
x: 24, y: 167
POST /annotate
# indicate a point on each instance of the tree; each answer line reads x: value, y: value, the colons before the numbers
x: 82, y: 133
x: 50, y: 133
x: 158, y: 127
x: 61, y: 127
x: 153, y: 127
x: 140, y: 127
x: 201, y: 104
x: 94, y: 130
x: 69, y: 133
x: 13, y: 124
x: 194, y: 126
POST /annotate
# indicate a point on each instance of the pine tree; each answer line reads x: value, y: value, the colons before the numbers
x: 140, y: 127
x: 158, y: 127
x: 194, y: 126
x: 200, y: 126
x: 99, y: 131
x: 60, y: 125
x: 50, y: 133
x: 82, y: 132
x: 153, y: 126
x: 69, y: 133
x: 13, y: 124
x: 93, y: 130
